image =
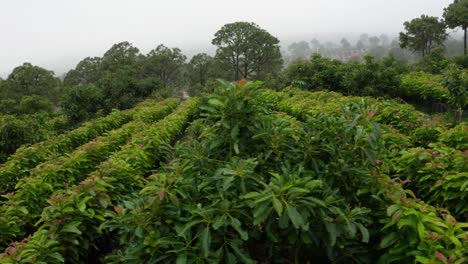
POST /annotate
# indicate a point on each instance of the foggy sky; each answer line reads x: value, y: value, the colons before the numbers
x: 57, y: 34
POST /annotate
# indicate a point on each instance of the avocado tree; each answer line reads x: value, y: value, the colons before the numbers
x: 456, y: 15
x: 247, y: 50
x: 456, y: 81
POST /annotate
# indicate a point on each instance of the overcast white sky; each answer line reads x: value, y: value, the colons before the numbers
x: 57, y: 34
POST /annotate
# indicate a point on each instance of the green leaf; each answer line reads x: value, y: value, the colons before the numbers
x: 181, y: 258
x: 364, y: 233
x: 251, y: 195
x: 392, y: 209
x: 278, y: 206
x: 220, y: 221
x: 71, y: 228
x: 261, y: 212
x: 236, y: 148
x: 205, y: 241
x: 57, y: 256
x: 215, y: 102
x: 353, y: 123
x: 82, y: 203
x: 332, y: 232
x: 231, y: 259
x: 389, y: 240
x: 236, y: 224
x: 294, y: 216
x: 235, y: 132
x: 187, y: 227
x: 241, y: 255
x: 227, y: 182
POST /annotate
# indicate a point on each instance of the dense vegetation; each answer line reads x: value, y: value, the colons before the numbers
x: 250, y: 175
x: 148, y: 158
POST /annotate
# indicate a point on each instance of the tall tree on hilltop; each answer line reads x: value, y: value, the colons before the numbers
x: 456, y: 15
x: 119, y: 55
x: 248, y: 50
x: 423, y: 34
x: 164, y: 63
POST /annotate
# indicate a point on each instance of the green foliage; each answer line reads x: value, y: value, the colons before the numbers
x: 423, y: 34
x: 17, y: 131
x: 423, y: 88
x: 456, y: 137
x: 86, y: 72
x: 438, y: 175
x: 120, y: 79
x: 74, y: 216
x: 31, y: 80
x: 318, y: 73
x: 259, y: 176
x: 122, y: 89
x: 200, y: 68
x: 247, y: 50
x: 24, y: 206
x: 423, y: 136
x: 461, y: 61
x: 416, y: 233
x: 164, y: 63
x: 373, y: 78
x: 27, y: 157
x: 434, y: 63
x: 456, y: 81
x: 216, y: 202
x: 119, y: 55
x: 81, y: 102
x: 456, y: 16
x: 27, y: 105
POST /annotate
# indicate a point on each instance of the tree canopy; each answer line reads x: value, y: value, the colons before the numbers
x: 86, y: 72
x: 423, y: 34
x: 199, y: 67
x: 28, y: 79
x: 456, y: 15
x: 120, y: 54
x: 164, y: 63
x: 248, y: 50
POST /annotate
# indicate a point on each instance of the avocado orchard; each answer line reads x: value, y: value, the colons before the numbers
x: 250, y: 175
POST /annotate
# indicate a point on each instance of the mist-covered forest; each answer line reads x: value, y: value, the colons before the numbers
x: 342, y: 149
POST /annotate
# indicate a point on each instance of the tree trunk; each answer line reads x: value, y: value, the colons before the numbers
x: 464, y: 51
x: 237, y: 67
